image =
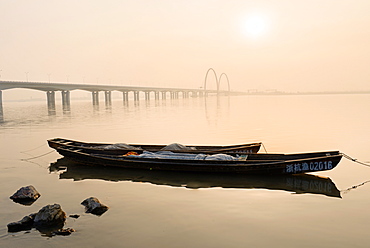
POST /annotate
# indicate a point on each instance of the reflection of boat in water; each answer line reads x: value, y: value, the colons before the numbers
x: 299, y: 183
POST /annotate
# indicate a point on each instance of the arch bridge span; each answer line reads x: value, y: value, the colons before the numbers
x: 218, y: 80
x: 66, y: 88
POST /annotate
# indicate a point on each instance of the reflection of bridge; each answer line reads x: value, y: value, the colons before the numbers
x: 66, y: 88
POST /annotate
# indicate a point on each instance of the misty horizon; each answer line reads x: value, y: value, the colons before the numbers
x: 286, y: 45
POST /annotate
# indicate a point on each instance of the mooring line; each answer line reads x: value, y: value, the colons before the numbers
x: 355, y: 160
x: 264, y: 148
x: 39, y: 165
x: 354, y: 187
x: 26, y: 159
x: 33, y: 148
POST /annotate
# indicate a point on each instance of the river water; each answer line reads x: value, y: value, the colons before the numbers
x: 158, y: 209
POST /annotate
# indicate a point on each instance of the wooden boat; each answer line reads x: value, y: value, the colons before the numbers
x: 300, y: 183
x: 139, y: 148
x: 250, y: 164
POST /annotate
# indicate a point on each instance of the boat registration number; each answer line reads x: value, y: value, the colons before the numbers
x: 312, y: 166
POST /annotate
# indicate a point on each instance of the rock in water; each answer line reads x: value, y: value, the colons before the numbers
x: 94, y: 206
x: 26, y: 195
x: 50, y: 215
x: 64, y: 232
x: 75, y: 216
x: 25, y: 224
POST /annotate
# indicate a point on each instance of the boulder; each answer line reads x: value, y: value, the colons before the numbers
x: 26, y: 195
x: 50, y: 215
x: 25, y: 224
x: 48, y: 220
x: 94, y: 206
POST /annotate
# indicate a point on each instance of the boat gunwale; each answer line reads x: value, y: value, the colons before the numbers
x: 249, y: 148
x: 238, y: 163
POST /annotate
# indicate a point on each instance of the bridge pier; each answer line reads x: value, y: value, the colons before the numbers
x: 164, y: 93
x: 1, y: 104
x: 125, y: 96
x: 50, y: 94
x: 147, y: 95
x: 136, y: 95
x: 156, y: 95
x: 108, y: 97
x: 95, y: 97
x: 66, y: 100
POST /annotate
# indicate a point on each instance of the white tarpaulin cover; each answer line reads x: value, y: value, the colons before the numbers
x: 121, y: 146
x: 176, y: 147
x: 189, y: 156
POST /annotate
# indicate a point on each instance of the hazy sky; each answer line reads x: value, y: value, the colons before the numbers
x: 291, y: 45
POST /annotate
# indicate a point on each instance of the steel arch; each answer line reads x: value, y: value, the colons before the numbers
x: 228, y: 83
x: 205, y: 80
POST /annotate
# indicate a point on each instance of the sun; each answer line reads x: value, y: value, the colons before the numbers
x: 255, y: 26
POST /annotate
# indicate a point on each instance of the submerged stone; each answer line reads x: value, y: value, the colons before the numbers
x: 94, y: 206
x: 26, y: 195
x: 24, y: 224
x: 64, y: 232
x: 75, y: 216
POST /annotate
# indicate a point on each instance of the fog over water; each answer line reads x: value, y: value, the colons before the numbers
x: 157, y: 209
x: 286, y: 45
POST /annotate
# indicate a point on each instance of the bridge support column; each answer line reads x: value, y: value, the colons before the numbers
x: 125, y: 96
x: 200, y: 93
x: 136, y: 95
x: 164, y: 95
x: 185, y: 94
x: 156, y: 95
x: 51, y: 98
x: 66, y: 100
x: 108, y: 97
x: 1, y: 104
x: 194, y: 94
x: 95, y: 97
x: 147, y: 95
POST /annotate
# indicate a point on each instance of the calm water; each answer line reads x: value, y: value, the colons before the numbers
x: 154, y: 209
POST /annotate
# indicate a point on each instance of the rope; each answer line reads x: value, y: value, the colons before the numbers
x: 358, y: 185
x: 355, y: 160
x: 26, y: 159
x: 264, y: 148
x: 354, y: 187
x: 33, y: 148
x: 39, y: 165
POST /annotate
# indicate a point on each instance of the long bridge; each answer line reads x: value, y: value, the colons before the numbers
x: 65, y: 88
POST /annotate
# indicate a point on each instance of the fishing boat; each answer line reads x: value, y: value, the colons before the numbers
x: 263, y: 163
x: 120, y: 148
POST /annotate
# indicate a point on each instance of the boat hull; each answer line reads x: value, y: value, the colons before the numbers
x: 255, y: 164
x: 101, y: 147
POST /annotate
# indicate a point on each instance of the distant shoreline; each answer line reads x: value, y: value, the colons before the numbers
x: 274, y: 93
